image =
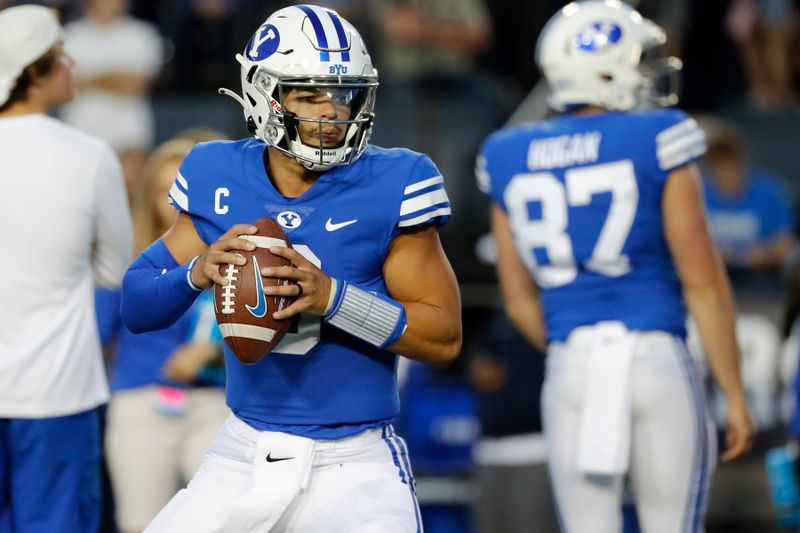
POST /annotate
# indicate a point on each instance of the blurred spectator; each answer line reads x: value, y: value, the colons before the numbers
x: 788, y: 329
x: 749, y: 214
x: 672, y: 16
x: 207, y: 35
x: 440, y: 426
x: 514, y: 487
x: 117, y: 58
x: 763, y: 29
x: 77, y: 234
x: 433, y: 97
x: 168, y: 386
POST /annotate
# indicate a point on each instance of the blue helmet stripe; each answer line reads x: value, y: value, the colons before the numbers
x: 319, y: 31
x: 340, y: 33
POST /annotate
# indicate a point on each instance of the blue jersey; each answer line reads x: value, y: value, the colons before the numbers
x: 759, y: 214
x: 319, y: 382
x: 583, y: 196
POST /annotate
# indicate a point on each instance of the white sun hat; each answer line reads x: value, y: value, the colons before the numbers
x: 27, y: 32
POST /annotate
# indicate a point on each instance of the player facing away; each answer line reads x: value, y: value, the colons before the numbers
x: 602, y: 242
x: 310, y: 446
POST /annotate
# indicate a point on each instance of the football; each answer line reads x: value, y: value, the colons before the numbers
x: 244, y: 313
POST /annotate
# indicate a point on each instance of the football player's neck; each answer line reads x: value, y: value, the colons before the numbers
x: 289, y: 177
x: 590, y: 110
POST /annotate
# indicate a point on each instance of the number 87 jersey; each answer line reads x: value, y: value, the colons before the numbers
x: 583, y: 197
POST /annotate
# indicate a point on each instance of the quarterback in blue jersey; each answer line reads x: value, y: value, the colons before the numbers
x: 310, y: 445
x: 602, y: 239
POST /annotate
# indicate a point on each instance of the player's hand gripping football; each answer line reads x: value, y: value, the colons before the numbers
x: 312, y: 288
x: 740, y: 434
x: 206, y: 271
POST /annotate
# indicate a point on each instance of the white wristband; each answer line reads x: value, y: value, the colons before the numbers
x: 376, y: 319
x: 189, y: 275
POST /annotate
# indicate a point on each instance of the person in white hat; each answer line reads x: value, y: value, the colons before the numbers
x: 65, y: 227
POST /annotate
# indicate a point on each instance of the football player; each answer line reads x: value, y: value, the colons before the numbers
x: 310, y: 446
x: 602, y: 240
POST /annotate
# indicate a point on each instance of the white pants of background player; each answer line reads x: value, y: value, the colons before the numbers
x: 668, y: 440
x: 360, y: 484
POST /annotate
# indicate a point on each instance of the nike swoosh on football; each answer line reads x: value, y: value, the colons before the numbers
x: 331, y: 226
x: 261, y: 304
x: 271, y: 459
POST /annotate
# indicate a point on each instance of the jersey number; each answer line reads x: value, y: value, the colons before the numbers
x: 305, y: 331
x: 549, y: 232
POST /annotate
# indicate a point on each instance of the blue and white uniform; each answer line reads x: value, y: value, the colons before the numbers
x: 320, y: 382
x: 583, y: 194
x: 320, y: 385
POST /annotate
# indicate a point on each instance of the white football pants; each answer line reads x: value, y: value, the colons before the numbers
x: 672, y: 439
x: 360, y: 484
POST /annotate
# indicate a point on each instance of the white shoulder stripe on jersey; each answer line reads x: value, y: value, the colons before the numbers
x: 676, y: 131
x: 681, y: 151
x: 664, y: 150
x: 424, y: 217
x: 263, y: 242
x: 682, y: 157
x: 423, y: 201
x: 418, y: 186
x: 179, y: 197
x: 246, y: 331
x: 180, y: 179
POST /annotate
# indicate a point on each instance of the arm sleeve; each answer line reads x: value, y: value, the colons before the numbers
x: 156, y: 290
x: 113, y: 244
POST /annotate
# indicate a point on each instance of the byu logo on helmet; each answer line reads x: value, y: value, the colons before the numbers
x: 598, y: 36
x: 289, y: 219
x: 263, y: 43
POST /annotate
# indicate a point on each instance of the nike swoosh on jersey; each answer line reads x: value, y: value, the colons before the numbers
x: 260, y: 308
x: 331, y: 226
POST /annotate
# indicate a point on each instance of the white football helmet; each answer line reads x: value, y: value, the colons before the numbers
x: 309, y: 47
x: 593, y: 52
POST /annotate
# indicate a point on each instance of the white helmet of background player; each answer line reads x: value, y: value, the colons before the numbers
x: 594, y: 52
x: 306, y: 46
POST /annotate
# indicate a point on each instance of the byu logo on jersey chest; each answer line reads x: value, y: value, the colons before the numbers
x: 289, y: 219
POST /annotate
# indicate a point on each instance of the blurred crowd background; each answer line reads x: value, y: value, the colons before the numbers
x: 452, y: 71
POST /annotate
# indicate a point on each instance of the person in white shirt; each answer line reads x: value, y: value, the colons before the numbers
x: 117, y: 60
x: 65, y: 226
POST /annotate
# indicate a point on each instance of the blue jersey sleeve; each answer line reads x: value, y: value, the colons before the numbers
x: 679, y: 140
x: 193, y: 190
x: 424, y: 199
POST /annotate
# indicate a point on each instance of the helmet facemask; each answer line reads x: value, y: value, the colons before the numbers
x: 320, y: 143
x: 661, y: 77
